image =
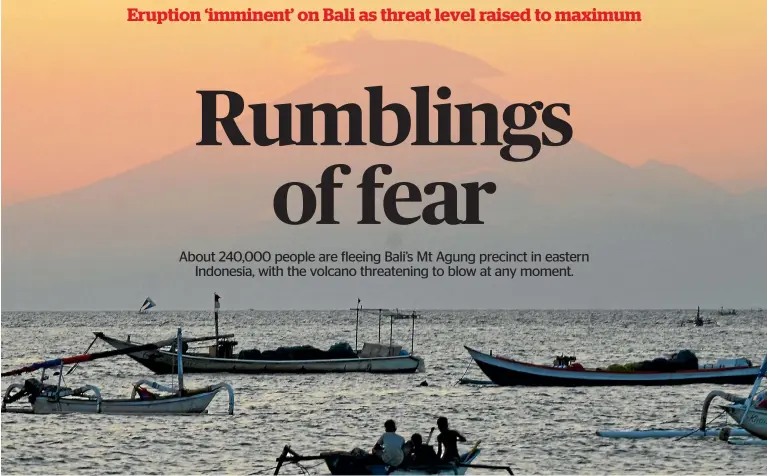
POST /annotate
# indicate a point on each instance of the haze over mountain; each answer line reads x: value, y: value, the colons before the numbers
x: 658, y: 237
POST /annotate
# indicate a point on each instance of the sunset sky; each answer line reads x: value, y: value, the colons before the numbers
x: 87, y: 95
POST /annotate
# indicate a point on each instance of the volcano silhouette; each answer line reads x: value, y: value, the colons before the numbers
x: 657, y: 236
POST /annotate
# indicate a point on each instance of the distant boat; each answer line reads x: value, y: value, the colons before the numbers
x: 564, y: 373
x: 148, y: 304
x: 729, y: 312
x: 699, y: 321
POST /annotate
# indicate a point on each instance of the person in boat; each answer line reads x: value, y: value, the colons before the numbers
x: 390, y: 447
x: 447, y: 440
x: 420, y: 454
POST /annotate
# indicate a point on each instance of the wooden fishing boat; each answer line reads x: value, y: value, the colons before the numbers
x: 45, y: 399
x: 508, y: 372
x: 373, y: 357
x: 359, y: 463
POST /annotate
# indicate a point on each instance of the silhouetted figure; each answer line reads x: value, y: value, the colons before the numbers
x: 390, y: 447
x: 420, y: 454
x: 448, y: 441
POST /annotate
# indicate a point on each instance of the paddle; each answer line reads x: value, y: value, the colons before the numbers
x: 485, y: 466
x: 428, y: 438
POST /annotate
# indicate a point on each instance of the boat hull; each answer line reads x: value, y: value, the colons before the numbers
x: 508, y: 372
x: 755, y: 422
x: 168, y: 405
x: 343, y: 464
x: 162, y: 362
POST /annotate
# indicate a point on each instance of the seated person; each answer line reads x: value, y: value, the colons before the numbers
x: 420, y: 454
x: 390, y: 447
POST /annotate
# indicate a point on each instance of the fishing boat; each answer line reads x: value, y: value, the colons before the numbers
x: 749, y: 413
x: 220, y: 357
x: 699, y: 321
x: 46, y: 398
x: 565, y: 372
x: 359, y: 462
x: 148, y: 304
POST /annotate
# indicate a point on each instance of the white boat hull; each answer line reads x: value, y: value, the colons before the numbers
x: 186, y: 404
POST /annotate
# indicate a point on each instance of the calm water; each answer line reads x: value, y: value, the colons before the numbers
x: 548, y: 430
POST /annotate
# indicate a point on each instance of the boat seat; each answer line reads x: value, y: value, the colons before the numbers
x: 370, y: 350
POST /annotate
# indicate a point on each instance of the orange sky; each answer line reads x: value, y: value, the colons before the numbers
x: 87, y: 95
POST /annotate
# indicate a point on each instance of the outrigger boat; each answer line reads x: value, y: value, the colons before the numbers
x: 567, y: 373
x: 46, y: 399
x: 750, y: 414
x: 373, y: 358
x: 358, y: 462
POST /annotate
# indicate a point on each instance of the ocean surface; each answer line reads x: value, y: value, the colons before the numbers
x: 534, y: 430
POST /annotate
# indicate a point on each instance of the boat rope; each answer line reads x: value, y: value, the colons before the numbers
x: 698, y: 429
x: 86, y: 351
x: 464, y: 372
x: 304, y: 469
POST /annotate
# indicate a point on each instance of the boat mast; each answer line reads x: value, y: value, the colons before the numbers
x: 391, y: 331
x: 412, y: 335
x: 180, y: 369
x: 380, y: 311
x: 216, y: 305
x: 357, y: 327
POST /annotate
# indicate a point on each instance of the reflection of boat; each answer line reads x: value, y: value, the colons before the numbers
x: 359, y: 462
x: 45, y: 399
x: 504, y: 371
x: 148, y: 304
x: 373, y: 358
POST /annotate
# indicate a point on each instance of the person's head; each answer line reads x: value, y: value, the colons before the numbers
x: 417, y: 440
x: 442, y: 423
x: 390, y: 426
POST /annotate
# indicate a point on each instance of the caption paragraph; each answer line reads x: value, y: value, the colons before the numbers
x: 387, y: 264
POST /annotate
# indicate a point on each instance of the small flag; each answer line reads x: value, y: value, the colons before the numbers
x: 216, y: 304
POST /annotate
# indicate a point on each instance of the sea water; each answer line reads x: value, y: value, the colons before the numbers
x: 535, y: 430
